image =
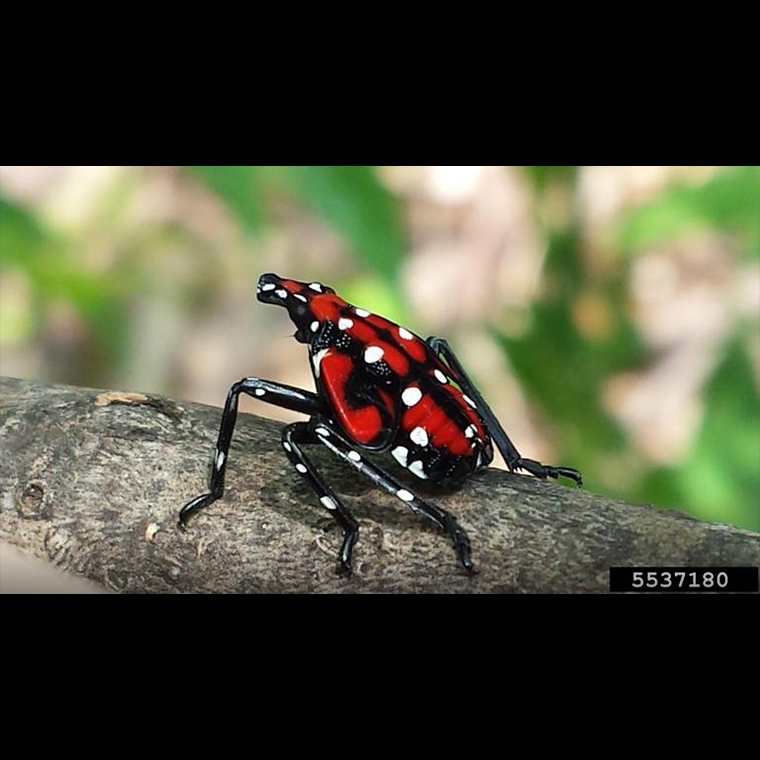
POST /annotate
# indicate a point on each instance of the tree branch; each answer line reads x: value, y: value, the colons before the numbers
x: 93, y: 481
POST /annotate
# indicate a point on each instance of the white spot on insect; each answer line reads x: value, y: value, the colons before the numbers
x: 329, y: 503
x: 470, y: 401
x: 471, y: 431
x: 405, y: 495
x: 220, y: 457
x: 314, y: 326
x: 411, y: 396
x: 440, y: 377
x: 269, y: 286
x: 419, y: 436
x: 302, y: 469
x: 287, y: 447
x: 418, y: 469
x: 346, y: 324
x: 354, y: 456
x: 316, y: 286
x: 404, y: 334
x: 260, y: 392
x: 401, y: 455
x: 300, y: 297
x: 480, y: 460
x: 282, y: 293
x: 373, y: 354
x: 323, y: 432
x: 362, y: 313
x: 317, y: 359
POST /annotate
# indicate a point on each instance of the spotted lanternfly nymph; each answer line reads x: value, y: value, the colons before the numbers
x: 380, y: 388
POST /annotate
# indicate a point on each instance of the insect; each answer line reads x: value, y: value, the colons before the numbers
x: 379, y: 388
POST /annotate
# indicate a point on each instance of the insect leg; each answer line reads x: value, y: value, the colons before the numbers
x: 293, y: 436
x: 508, y: 450
x: 327, y: 435
x: 280, y: 395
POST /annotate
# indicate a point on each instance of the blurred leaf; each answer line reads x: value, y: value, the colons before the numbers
x: 721, y: 478
x: 730, y: 202
x: 47, y: 260
x: 660, y: 487
x: 22, y: 238
x: 359, y: 206
x: 240, y: 187
x: 542, y: 176
x: 564, y: 268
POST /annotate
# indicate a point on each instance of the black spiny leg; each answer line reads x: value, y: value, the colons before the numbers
x: 301, y: 433
x: 508, y: 450
x: 327, y: 435
x: 284, y: 396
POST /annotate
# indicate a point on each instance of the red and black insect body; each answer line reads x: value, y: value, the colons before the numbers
x: 380, y: 388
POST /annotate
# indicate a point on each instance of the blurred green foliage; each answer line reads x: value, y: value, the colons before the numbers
x: 562, y: 369
x: 729, y: 203
x: 353, y: 200
x: 350, y: 198
x: 52, y: 264
x: 721, y: 474
x: 720, y: 479
x: 48, y: 261
x: 241, y: 187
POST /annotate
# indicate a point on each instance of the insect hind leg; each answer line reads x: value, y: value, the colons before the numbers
x: 544, y: 471
x: 508, y: 450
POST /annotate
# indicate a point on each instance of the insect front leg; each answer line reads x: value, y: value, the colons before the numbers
x: 328, y: 436
x: 280, y: 395
x: 295, y: 435
x: 508, y: 450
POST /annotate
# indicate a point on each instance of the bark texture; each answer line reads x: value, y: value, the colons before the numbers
x: 92, y: 481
